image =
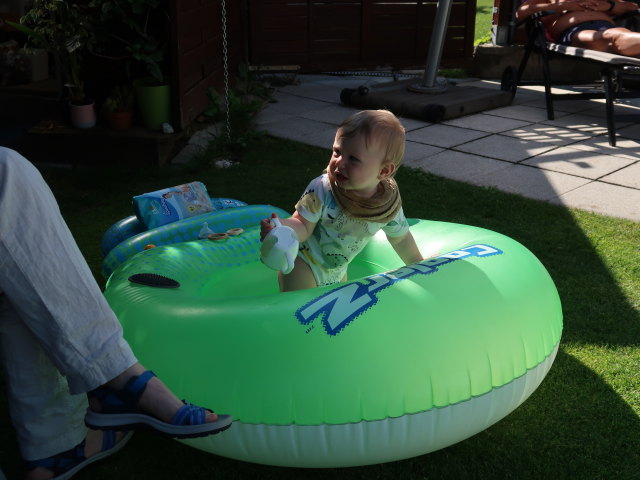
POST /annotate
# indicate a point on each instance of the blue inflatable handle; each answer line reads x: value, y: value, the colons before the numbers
x: 130, y: 226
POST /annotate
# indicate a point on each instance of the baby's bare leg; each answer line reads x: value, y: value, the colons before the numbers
x: 300, y: 277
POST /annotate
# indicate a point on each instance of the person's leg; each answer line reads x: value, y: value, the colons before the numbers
x: 620, y: 41
x: 300, y: 278
x: 47, y: 419
x: 623, y: 41
x: 48, y: 281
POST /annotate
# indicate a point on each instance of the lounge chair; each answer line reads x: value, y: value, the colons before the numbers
x: 614, y: 70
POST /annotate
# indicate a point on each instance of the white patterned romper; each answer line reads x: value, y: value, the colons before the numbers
x: 338, y: 237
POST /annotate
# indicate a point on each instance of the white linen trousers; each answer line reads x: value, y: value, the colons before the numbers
x: 58, y: 336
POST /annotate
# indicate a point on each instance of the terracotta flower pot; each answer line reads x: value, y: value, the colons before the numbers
x: 118, y: 120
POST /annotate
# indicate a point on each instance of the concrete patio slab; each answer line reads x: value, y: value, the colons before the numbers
x: 581, y: 163
x: 323, y: 93
x: 625, y: 147
x: 562, y: 106
x: 631, y: 131
x: 548, y: 134
x: 620, y: 109
x: 268, y: 116
x: 525, y: 113
x: 484, y: 122
x: 410, y: 124
x: 460, y: 166
x: 526, y: 98
x: 532, y: 182
x: 293, y: 105
x: 301, y: 130
x: 414, y: 152
x: 628, y: 176
x: 445, y: 136
x: 605, y: 199
x: 330, y: 113
x: 597, y: 125
x: 505, y: 148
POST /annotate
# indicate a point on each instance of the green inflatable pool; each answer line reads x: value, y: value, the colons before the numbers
x: 397, y: 362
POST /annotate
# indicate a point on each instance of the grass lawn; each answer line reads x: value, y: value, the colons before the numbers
x: 582, y: 423
x: 484, y: 14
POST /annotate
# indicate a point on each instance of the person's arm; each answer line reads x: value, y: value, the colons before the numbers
x: 303, y: 227
x: 405, y: 246
x: 621, y: 7
x: 533, y: 6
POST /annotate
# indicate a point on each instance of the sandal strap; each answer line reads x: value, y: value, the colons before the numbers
x: 136, y: 385
x: 123, y: 400
x: 60, y: 463
x: 189, y: 414
x: 108, y: 440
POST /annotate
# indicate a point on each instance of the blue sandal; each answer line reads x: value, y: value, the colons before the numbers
x: 66, y: 464
x: 120, y: 411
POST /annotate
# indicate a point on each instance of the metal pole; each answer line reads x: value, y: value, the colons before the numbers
x: 434, y: 55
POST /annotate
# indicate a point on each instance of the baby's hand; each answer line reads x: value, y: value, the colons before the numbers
x: 266, y: 226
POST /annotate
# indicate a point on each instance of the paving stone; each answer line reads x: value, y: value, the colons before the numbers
x: 628, y: 176
x: 548, y: 134
x: 532, y: 182
x: 460, y: 166
x: 625, y: 147
x: 581, y: 163
x: 505, y: 148
x: 525, y: 113
x: 444, y: 136
x: 603, y: 198
x: 486, y: 123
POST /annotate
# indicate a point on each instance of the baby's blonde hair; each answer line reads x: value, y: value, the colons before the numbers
x: 377, y: 126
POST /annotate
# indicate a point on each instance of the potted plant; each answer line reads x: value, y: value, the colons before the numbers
x: 117, y: 109
x: 66, y: 30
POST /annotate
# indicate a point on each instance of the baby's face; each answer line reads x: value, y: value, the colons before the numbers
x: 356, y: 165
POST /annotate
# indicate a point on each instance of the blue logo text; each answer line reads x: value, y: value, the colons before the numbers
x: 341, y: 306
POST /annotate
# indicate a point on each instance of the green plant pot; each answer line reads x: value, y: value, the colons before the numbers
x: 154, y: 102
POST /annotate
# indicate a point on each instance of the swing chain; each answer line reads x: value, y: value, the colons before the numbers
x: 226, y: 69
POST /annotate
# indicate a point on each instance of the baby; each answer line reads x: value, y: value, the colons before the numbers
x: 343, y: 208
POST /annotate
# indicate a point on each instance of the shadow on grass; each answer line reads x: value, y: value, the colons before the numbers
x: 589, y: 432
x: 574, y: 426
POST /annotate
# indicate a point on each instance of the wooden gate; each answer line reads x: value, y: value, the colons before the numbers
x: 355, y: 34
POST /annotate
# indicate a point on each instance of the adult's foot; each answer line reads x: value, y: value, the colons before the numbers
x: 93, y: 449
x: 156, y: 400
x: 137, y: 399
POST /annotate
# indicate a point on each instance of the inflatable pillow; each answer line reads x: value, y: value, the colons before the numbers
x: 158, y: 208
